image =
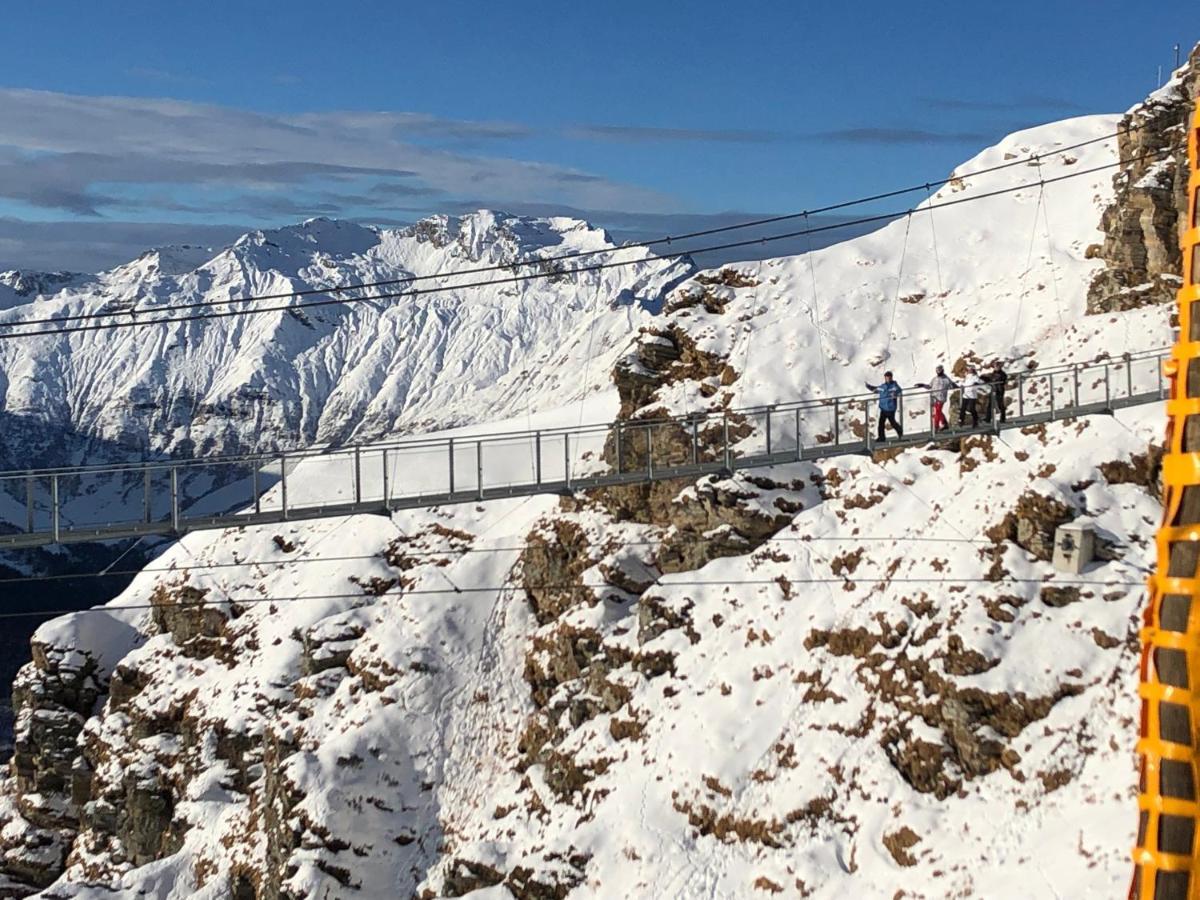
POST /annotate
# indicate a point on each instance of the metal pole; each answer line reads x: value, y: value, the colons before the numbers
x: 695, y: 442
x: 1075, y: 382
x: 386, y: 491
x: 174, y: 501
x: 797, y: 434
x: 620, y: 450
x: 867, y: 424
x: 54, y: 515
x: 1107, y: 390
x: 1020, y: 396
x: 254, y: 487
x: 29, y: 503
x: 1129, y: 375
x: 836, y: 424
x: 479, y: 468
x: 451, y: 445
x: 146, y: 495
x: 649, y: 452
x: 358, y: 473
x: 537, y: 452
x: 768, y: 431
x: 1051, y: 377
x: 567, y: 458
x: 283, y: 483
x: 728, y: 452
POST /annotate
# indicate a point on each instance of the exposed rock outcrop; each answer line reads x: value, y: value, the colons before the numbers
x: 1143, y: 224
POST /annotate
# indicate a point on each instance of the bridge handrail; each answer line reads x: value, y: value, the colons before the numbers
x: 849, y: 401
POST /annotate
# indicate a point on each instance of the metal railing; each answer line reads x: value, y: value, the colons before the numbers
x: 90, y: 503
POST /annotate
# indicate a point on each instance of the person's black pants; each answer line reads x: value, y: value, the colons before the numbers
x: 968, y: 406
x: 999, y: 404
x: 888, y: 416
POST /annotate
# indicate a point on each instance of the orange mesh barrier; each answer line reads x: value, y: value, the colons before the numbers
x: 1168, y: 811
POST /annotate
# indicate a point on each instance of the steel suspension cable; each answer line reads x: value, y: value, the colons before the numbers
x: 596, y: 267
x: 548, y: 261
x: 937, y: 262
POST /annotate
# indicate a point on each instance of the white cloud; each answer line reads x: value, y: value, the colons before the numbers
x: 85, y: 155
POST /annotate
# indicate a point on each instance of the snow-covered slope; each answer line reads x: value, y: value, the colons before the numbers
x: 322, y: 375
x: 857, y: 678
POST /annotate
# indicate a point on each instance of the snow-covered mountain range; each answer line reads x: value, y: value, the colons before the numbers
x: 324, y: 375
x: 861, y: 677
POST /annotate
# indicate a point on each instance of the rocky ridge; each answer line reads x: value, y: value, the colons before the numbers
x: 1143, y: 224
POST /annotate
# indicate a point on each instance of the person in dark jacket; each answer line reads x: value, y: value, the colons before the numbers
x: 939, y: 392
x: 998, y: 379
x: 889, y: 401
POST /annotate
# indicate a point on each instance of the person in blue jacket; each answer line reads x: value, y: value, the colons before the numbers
x: 889, y: 400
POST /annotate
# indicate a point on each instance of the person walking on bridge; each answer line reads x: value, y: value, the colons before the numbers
x: 889, y: 401
x: 939, y: 392
x: 998, y: 380
x: 973, y: 388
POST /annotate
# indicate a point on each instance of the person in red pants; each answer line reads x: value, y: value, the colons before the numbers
x: 939, y: 392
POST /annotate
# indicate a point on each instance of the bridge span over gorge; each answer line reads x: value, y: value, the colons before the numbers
x: 145, y: 498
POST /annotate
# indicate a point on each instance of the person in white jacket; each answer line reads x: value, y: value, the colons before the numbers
x: 973, y: 388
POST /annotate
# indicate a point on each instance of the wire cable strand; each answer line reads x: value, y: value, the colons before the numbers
x: 882, y: 578
x: 535, y: 276
x: 582, y: 254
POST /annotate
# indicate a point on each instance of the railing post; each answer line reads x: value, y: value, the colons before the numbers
x: 620, y: 450
x: 695, y: 442
x: 451, y: 452
x: 1020, y: 395
x: 1075, y: 382
x: 386, y: 491
x: 54, y: 514
x: 255, y: 488
x: 1107, y: 391
x: 1129, y: 374
x: 649, y: 452
x: 567, y: 458
x: 283, y: 484
x: 728, y: 450
x: 867, y: 425
x: 797, y: 434
x: 479, y: 468
x: 358, y: 473
x: 1050, y: 375
x: 29, y: 503
x: 837, y: 425
x: 146, y: 495
x: 768, y: 426
x: 174, y: 500
x: 537, y: 453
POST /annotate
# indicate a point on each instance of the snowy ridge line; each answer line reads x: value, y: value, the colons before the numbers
x: 458, y: 470
x: 431, y: 441
x: 558, y: 273
x: 464, y: 551
x: 631, y: 245
x: 494, y: 588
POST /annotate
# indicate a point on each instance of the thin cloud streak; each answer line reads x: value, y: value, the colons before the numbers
x: 1033, y: 102
x: 643, y: 133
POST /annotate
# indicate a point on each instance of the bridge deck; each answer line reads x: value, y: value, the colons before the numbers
x: 379, y: 478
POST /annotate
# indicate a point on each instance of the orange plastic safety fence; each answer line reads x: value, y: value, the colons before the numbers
x: 1168, y: 808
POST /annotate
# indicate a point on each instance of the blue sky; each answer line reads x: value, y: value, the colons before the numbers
x: 129, y: 124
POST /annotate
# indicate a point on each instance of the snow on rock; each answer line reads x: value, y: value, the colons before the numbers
x: 855, y: 676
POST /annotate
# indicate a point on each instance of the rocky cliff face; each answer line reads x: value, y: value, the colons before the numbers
x: 1143, y: 224
x: 790, y: 681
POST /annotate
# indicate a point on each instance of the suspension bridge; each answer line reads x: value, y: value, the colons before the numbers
x: 175, y: 496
